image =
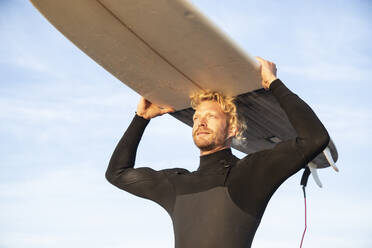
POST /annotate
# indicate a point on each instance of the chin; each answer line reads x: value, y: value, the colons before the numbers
x: 204, y: 145
x: 209, y: 145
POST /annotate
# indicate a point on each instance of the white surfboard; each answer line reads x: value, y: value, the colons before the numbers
x: 165, y: 50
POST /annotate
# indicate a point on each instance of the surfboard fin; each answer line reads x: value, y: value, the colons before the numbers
x: 313, y: 169
x: 327, y: 154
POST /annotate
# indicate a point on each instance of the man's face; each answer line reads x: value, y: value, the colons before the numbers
x: 210, y: 129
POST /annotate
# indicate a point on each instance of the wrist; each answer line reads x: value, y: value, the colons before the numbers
x: 271, y: 80
x: 275, y: 84
x: 141, y: 115
x: 266, y: 83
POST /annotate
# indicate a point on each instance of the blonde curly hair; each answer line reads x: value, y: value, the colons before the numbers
x: 227, y: 105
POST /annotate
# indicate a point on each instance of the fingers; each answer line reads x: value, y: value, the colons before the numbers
x: 141, y: 104
x: 166, y: 110
x: 261, y: 60
x: 149, y: 110
x: 268, y: 72
x: 265, y: 62
x: 145, y: 102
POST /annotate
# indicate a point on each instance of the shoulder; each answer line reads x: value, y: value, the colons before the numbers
x: 249, y: 158
x: 254, y: 160
x: 282, y: 149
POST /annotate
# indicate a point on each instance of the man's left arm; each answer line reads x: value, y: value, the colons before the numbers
x: 312, y: 137
x: 288, y: 157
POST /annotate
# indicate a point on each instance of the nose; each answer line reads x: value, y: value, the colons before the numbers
x: 202, y: 122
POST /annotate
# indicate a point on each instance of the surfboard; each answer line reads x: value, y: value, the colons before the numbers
x: 165, y: 50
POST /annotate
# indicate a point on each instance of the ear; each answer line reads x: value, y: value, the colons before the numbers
x: 232, y: 131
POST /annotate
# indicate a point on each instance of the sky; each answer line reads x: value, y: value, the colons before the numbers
x: 62, y: 116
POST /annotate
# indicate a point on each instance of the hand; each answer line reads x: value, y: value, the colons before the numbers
x: 148, y: 110
x: 268, y: 72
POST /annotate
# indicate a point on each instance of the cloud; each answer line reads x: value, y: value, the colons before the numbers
x: 348, y: 123
x: 329, y: 72
x: 73, y: 206
x: 29, y: 62
x: 317, y: 47
x: 328, y: 210
x: 19, y: 239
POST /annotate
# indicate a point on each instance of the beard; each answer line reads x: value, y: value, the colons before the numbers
x: 208, y: 142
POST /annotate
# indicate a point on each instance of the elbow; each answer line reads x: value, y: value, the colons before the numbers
x: 110, y: 176
x: 322, y: 140
x: 317, y: 144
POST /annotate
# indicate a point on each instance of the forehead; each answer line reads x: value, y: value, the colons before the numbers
x: 208, y: 106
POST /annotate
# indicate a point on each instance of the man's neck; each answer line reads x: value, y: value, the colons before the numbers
x: 216, y: 149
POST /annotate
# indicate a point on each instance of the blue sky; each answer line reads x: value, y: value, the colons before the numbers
x: 62, y: 115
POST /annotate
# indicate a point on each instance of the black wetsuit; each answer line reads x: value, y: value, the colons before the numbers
x: 221, y: 204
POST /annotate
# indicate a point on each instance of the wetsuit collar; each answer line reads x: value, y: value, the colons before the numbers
x: 215, y: 160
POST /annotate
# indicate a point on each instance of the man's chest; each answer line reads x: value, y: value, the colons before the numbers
x: 212, y: 214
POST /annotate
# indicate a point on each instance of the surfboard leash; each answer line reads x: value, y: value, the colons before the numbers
x: 304, y: 178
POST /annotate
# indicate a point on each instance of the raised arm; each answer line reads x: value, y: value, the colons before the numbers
x: 143, y: 182
x: 274, y: 166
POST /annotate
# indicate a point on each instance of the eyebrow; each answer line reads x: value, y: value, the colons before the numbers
x: 207, y: 112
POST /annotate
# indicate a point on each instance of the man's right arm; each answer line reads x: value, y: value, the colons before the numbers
x: 143, y: 181
x: 120, y: 171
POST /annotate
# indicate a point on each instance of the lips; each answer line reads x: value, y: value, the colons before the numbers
x: 202, y: 132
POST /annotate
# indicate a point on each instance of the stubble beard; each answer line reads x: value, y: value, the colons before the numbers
x: 208, y: 143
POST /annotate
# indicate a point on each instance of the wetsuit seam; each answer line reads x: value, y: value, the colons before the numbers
x: 245, y: 212
x: 174, y: 191
x: 137, y: 181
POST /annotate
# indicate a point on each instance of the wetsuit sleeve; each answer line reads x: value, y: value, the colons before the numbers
x: 270, y: 168
x: 143, y: 181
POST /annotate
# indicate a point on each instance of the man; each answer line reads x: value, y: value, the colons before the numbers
x: 222, y: 202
